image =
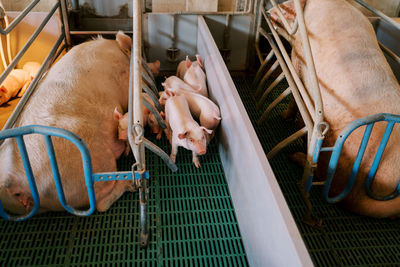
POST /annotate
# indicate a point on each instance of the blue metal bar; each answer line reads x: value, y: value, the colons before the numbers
x: 369, y: 121
x: 112, y: 176
x: 375, y: 164
x: 20, y: 54
x: 15, y: 22
x: 51, y: 131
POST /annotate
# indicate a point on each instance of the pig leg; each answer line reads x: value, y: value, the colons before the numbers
x: 299, y: 158
x: 106, y: 198
x: 26, y: 85
x: 174, y: 151
x: 195, y: 160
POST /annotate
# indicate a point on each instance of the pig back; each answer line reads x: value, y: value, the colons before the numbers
x: 355, y: 81
x: 79, y: 94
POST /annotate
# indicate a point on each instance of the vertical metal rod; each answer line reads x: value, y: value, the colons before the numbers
x: 135, y: 98
x: 64, y: 13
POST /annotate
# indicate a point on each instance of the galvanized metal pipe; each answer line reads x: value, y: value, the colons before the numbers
x: 389, y: 53
x: 135, y: 118
x: 286, y: 25
x: 22, y: 15
x: 21, y: 53
x: 380, y: 14
x: 305, y: 113
x: 32, y: 87
x: 299, y: 84
x: 64, y: 14
x: 272, y: 105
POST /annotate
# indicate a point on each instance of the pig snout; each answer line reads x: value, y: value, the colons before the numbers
x: 201, y: 149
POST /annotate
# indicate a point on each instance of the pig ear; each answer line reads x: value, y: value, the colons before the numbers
x: 183, y: 135
x: 157, y: 63
x: 169, y: 93
x: 199, y: 60
x: 124, y: 41
x: 206, y: 130
x: 3, y: 89
x: 117, y: 114
x: 188, y: 62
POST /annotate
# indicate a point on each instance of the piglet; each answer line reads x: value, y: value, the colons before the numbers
x: 32, y: 68
x: 16, y: 80
x: 192, y: 73
x: 148, y: 119
x: 186, y: 132
x: 154, y: 67
x: 176, y: 82
x: 200, y: 106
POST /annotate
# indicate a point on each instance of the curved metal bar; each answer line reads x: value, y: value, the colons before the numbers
x: 288, y: 29
x: 369, y: 121
x: 52, y: 131
x: 375, y: 164
x: 148, y: 71
x: 150, y: 83
x: 155, y: 112
x: 161, y: 154
x: 152, y: 95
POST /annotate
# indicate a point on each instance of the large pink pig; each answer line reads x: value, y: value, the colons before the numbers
x: 183, y: 130
x: 79, y: 94
x: 355, y: 81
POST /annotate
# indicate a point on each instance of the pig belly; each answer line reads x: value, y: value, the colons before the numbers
x: 78, y: 94
x: 355, y: 81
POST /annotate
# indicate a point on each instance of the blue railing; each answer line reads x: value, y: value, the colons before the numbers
x: 336, y: 150
x: 90, y: 178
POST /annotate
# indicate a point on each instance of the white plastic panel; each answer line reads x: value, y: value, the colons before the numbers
x: 269, y: 233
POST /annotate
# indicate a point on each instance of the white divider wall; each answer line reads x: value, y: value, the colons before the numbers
x: 269, y: 233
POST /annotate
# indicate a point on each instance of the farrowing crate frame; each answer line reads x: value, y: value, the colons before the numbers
x: 311, y: 108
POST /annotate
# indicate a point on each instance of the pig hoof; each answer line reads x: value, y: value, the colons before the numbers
x: 197, y: 164
x: 131, y: 187
x: 299, y: 158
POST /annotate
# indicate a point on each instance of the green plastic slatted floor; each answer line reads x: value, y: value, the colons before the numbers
x: 191, y: 218
x: 346, y: 239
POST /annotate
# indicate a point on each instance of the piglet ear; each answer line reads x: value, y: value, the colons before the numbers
x: 124, y: 42
x: 198, y: 57
x: 206, y: 130
x: 183, y: 135
x: 169, y: 93
x: 117, y: 114
x: 162, y: 114
x: 188, y: 62
x: 146, y: 111
x: 3, y: 89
